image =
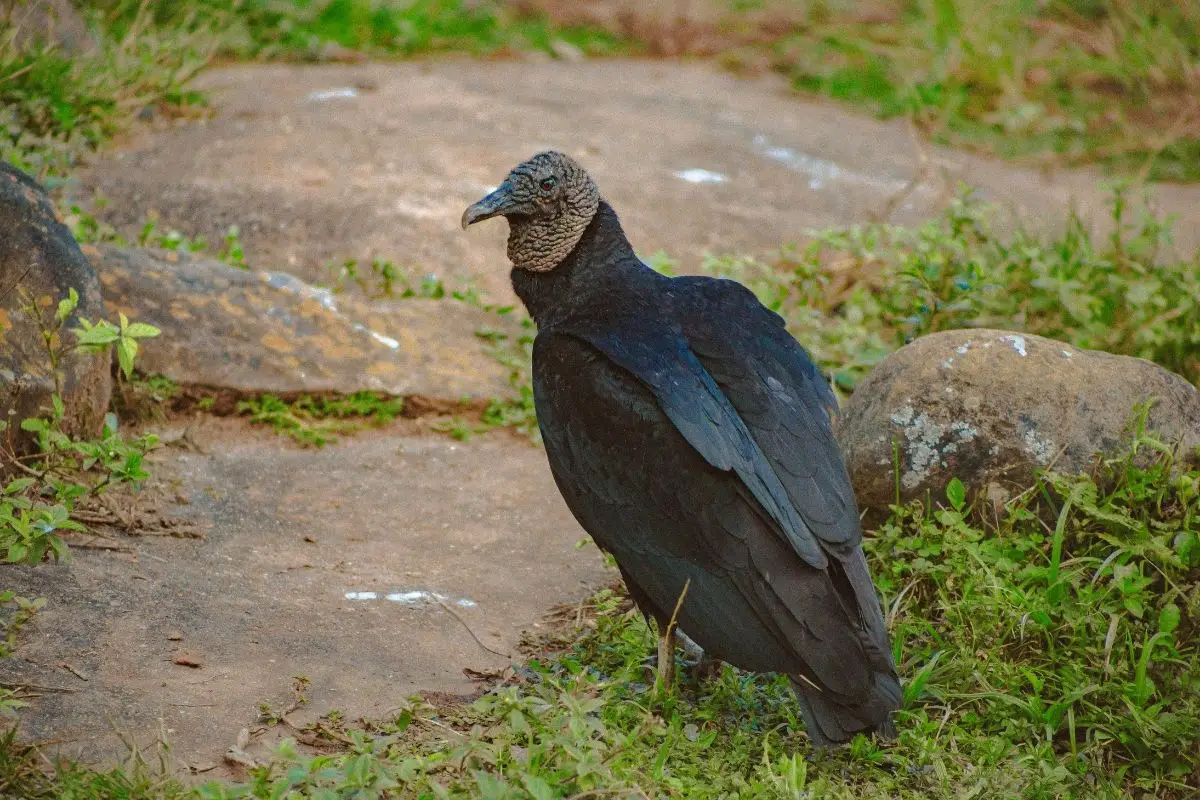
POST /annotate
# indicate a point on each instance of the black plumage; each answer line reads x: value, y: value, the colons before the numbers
x: 690, y: 436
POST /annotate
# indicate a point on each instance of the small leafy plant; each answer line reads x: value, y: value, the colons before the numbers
x: 36, y: 506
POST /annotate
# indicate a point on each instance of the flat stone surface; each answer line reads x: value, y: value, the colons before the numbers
x: 257, y: 331
x: 321, y: 163
x: 289, y: 533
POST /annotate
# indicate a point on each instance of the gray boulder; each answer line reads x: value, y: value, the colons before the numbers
x: 990, y: 407
x: 40, y: 263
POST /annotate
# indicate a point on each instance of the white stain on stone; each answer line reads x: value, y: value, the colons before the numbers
x: 340, y: 93
x: 413, y: 597
x: 965, y: 431
x: 1017, y: 342
x: 697, y: 175
x: 1041, y: 448
x: 821, y: 172
x: 379, y: 337
x: 961, y: 350
x: 290, y: 283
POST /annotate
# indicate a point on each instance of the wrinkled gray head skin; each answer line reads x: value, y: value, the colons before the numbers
x: 548, y: 200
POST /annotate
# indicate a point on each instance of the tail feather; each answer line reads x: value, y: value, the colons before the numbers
x: 829, y: 722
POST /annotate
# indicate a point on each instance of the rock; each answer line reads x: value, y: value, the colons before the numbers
x: 566, y: 51
x: 990, y: 407
x: 227, y: 328
x: 54, y: 22
x: 40, y: 262
x: 388, y: 173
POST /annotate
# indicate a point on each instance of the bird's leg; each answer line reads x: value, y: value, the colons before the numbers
x: 706, y: 668
x: 666, y: 656
x: 699, y: 664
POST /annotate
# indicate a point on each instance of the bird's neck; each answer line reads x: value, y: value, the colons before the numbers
x: 603, y: 260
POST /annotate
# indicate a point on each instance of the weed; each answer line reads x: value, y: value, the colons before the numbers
x: 26, y: 772
x: 383, y: 279
x: 317, y: 421
x: 56, y: 107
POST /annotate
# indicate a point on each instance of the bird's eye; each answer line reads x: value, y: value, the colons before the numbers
x: 548, y: 184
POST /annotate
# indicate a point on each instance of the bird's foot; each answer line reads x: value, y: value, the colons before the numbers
x: 705, y: 668
x: 700, y: 669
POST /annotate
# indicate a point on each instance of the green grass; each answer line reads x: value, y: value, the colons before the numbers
x: 1067, y: 81
x: 304, y: 29
x: 317, y: 421
x: 55, y: 108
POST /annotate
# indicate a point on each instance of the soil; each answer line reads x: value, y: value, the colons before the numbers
x: 376, y: 567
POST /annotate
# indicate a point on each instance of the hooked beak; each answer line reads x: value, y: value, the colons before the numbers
x: 493, y: 205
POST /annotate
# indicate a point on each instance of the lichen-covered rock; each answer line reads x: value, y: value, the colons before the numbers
x: 990, y: 407
x: 40, y: 263
x: 228, y: 328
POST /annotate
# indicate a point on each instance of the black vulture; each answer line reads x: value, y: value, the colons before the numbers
x: 691, y: 436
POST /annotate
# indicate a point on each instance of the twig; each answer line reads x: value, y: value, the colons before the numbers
x: 678, y: 605
x: 925, y: 166
x: 102, y: 546
x: 17, y: 687
x: 73, y: 670
x: 467, y: 627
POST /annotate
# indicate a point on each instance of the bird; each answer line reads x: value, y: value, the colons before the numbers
x: 691, y: 436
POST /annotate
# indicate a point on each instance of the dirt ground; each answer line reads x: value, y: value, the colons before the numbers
x: 370, y: 567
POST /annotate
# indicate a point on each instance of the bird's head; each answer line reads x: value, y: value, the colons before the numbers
x: 549, y: 201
